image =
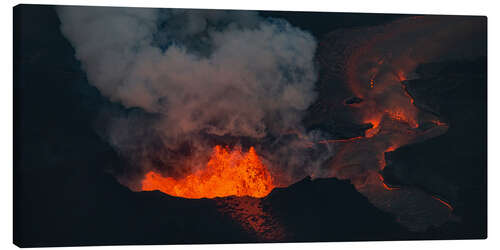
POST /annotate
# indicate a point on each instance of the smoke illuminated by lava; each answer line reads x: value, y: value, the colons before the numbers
x: 227, y: 78
x: 232, y: 79
x: 229, y: 172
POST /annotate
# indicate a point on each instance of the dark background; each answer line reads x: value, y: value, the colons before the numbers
x: 65, y: 195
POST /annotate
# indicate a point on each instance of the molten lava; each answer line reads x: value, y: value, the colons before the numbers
x: 375, y: 122
x: 402, y: 116
x: 228, y: 173
x: 443, y: 202
x: 387, y: 187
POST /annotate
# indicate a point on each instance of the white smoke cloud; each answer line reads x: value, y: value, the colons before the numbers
x: 222, y: 73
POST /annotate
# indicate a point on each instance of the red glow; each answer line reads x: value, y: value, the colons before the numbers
x: 401, y: 76
x: 390, y: 149
x: 375, y: 127
x: 385, y: 185
x: 439, y: 123
x: 227, y: 173
x: 400, y: 115
x: 384, y: 164
x: 443, y: 202
x: 341, y: 140
x: 249, y: 212
x: 405, y: 91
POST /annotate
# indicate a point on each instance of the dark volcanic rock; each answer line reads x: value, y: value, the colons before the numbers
x: 64, y: 196
x: 340, y: 129
x: 330, y: 210
x: 451, y: 166
x: 353, y: 100
x: 442, y: 85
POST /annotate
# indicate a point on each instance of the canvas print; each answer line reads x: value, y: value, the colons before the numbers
x: 192, y: 126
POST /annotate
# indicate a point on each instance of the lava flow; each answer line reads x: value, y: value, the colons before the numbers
x: 378, y: 66
x: 228, y: 173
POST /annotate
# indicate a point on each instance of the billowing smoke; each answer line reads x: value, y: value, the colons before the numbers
x: 188, y: 75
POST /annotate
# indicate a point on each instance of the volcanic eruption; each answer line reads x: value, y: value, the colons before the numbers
x: 229, y: 172
x: 209, y: 110
x: 175, y: 126
x: 229, y: 79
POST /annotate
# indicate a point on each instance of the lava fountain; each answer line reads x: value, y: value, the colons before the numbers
x: 227, y: 173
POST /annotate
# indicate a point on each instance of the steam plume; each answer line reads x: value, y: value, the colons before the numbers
x: 191, y: 73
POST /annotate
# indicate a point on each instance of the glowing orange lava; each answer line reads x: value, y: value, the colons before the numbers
x: 439, y: 123
x: 385, y: 185
x: 401, y: 76
x: 375, y: 127
x: 228, y: 173
x: 402, y: 116
x: 443, y: 202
